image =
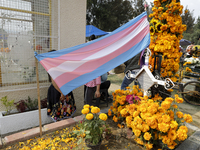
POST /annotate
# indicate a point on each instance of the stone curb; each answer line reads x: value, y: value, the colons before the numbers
x: 192, y: 143
x: 32, y: 133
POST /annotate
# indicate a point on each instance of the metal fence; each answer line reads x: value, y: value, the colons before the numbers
x: 26, y: 26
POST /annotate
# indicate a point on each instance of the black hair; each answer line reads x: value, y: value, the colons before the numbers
x: 92, y: 37
x: 47, y: 72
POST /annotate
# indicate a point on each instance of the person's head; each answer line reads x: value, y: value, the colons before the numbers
x: 192, y: 42
x: 92, y: 37
x: 47, y: 72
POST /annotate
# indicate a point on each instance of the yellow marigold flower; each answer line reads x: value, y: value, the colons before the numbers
x: 136, y: 113
x: 187, y: 118
x: 175, y: 106
x: 85, y: 111
x: 139, y: 141
x: 181, y: 135
x: 166, y: 118
x: 95, y: 110
x: 150, y: 120
x: 147, y: 136
x: 171, y: 114
x: 124, y: 112
x: 86, y: 106
x: 154, y: 126
x: 149, y: 146
x: 145, y: 127
x: 143, y: 107
x: 139, y: 126
x: 103, y: 116
x: 163, y: 127
x: 119, y: 108
x: 89, y: 116
x: 174, y: 124
x: 128, y: 119
x: 137, y: 132
x: 184, y: 128
x: 138, y: 119
x: 172, y: 134
x: 172, y: 146
x: 169, y: 99
x: 166, y: 105
x: 179, y: 114
x: 179, y: 100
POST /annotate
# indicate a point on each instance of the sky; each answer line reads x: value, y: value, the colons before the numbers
x: 192, y: 5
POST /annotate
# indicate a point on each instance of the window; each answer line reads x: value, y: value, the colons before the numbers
x: 25, y: 27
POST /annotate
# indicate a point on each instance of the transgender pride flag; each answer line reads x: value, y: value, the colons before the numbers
x: 75, y: 66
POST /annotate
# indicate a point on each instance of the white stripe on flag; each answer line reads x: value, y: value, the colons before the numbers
x: 72, y: 65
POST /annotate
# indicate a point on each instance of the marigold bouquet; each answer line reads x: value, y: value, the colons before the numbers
x: 93, y: 124
x: 153, y: 121
x: 121, y: 100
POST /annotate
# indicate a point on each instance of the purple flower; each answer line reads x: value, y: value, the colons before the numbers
x: 129, y: 99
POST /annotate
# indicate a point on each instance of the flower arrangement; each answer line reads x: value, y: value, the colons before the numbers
x: 166, y: 30
x: 153, y: 121
x: 192, y: 67
x: 93, y: 124
x: 121, y: 100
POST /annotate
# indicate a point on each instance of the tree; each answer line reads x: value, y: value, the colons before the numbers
x: 138, y: 6
x: 108, y: 15
x: 188, y: 19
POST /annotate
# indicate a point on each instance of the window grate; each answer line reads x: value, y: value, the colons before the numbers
x: 26, y: 26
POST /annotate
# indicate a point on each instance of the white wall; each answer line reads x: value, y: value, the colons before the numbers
x: 71, y: 32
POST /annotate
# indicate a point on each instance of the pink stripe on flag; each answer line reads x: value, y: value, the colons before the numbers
x: 90, y: 49
x: 94, y: 64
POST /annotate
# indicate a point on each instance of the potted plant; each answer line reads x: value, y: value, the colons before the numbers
x: 92, y: 126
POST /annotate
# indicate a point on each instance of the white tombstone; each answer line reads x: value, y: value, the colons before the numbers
x: 147, y: 80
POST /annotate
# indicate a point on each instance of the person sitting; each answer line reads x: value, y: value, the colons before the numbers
x: 92, y: 89
x: 105, y: 84
x: 59, y: 106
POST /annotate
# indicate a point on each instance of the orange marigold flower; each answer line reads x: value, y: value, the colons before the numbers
x: 179, y: 100
x: 139, y: 141
x: 163, y: 127
x: 181, y: 135
x: 166, y: 105
x: 187, y: 118
x: 109, y: 112
x: 172, y: 134
x: 184, y: 128
x: 137, y: 132
x: 147, y: 136
x: 115, y: 119
x: 174, y: 124
x: 179, y: 114
x: 166, y: 118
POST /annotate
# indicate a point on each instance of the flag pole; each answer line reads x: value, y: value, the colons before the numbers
x: 38, y: 93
